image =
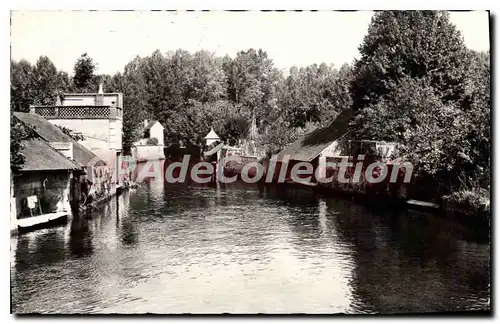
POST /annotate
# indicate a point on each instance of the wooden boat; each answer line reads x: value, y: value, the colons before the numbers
x: 422, y: 205
x: 41, y: 221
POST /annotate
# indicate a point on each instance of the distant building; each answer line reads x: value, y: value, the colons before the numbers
x: 318, y: 146
x: 151, y: 129
x: 333, y: 144
x: 96, y: 116
x: 211, y: 137
x: 151, y: 144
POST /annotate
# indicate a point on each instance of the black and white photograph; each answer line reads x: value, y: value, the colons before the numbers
x: 250, y: 162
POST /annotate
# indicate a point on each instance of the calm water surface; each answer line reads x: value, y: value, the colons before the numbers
x: 185, y: 249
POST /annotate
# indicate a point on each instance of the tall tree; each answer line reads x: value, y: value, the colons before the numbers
x: 415, y: 44
x: 132, y: 84
x: 44, y: 82
x: 21, y: 94
x: 252, y: 79
x: 83, y: 72
x: 417, y: 84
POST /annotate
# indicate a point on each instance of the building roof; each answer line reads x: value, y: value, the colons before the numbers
x: 312, y: 144
x: 214, y: 150
x: 40, y: 156
x: 150, y: 124
x: 212, y: 135
x: 52, y: 133
x: 92, y: 94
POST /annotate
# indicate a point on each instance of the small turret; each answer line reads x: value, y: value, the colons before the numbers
x: 211, y: 137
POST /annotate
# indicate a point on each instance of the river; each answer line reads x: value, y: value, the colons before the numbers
x: 165, y: 248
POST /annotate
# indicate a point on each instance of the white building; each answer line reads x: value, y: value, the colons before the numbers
x: 150, y: 146
x: 96, y: 116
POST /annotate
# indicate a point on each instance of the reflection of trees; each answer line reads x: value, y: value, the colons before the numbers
x: 304, y: 222
x: 304, y: 216
x: 129, y: 234
x: 80, y: 237
x: 408, y: 263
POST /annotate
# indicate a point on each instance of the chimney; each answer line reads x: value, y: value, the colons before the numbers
x: 99, y: 98
x: 58, y: 101
x: 32, y: 109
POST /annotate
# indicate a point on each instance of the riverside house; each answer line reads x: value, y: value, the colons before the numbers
x: 41, y: 188
x: 92, y: 167
x: 317, y: 147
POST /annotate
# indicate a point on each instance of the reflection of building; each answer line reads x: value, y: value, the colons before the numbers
x: 151, y: 144
x: 96, y: 116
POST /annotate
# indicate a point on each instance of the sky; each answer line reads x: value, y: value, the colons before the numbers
x: 114, y: 38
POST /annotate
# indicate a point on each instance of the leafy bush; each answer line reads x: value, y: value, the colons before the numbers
x: 152, y: 141
x: 477, y: 199
x: 69, y: 132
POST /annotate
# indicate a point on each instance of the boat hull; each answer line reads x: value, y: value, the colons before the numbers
x: 43, y: 221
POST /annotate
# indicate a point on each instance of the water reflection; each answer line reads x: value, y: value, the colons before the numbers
x: 168, y: 248
x: 407, y: 263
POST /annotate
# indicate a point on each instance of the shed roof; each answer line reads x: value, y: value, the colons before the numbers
x: 312, y: 144
x: 51, y: 133
x: 40, y: 156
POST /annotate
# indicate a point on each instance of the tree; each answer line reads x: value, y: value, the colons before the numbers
x: 21, y: 95
x: 252, y: 81
x: 64, y: 84
x: 83, y: 72
x: 314, y: 94
x: 208, y: 83
x: 18, y: 133
x: 416, y: 44
x: 44, y: 82
x: 429, y: 132
x: 478, y: 111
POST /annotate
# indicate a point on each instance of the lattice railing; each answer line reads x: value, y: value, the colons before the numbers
x: 45, y: 111
x: 66, y: 112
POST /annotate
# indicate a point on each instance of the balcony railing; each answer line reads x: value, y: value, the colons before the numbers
x: 79, y: 112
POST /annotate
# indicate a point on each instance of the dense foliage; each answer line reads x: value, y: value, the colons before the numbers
x: 83, y: 72
x: 418, y: 85
x: 18, y: 133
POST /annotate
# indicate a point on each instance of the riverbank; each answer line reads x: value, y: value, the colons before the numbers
x: 380, y: 195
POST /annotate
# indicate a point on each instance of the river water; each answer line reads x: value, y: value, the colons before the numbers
x: 190, y: 249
